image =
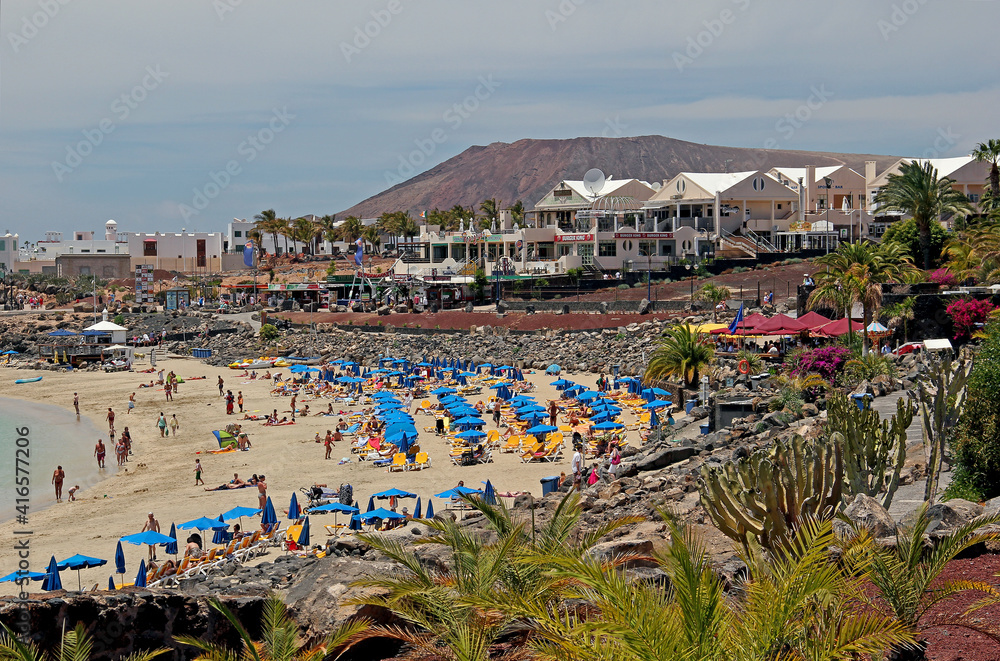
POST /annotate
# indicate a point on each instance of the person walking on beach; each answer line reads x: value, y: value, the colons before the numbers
x: 111, y: 418
x: 197, y: 473
x: 553, y: 412
x: 221, y: 384
x: 76, y: 404
x: 127, y: 440
x: 576, y: 465
x: 328, y: 442
x: 239, y: 400
x: 229, y: 402
x: 120, y: 452
x: 174, y: 424
x: 496, y: 414
x: 154, y: 526
x: 162, y: 424
x: 131, y: 404
x: 166, y: 390
x: 99, y: 452
x: 57, y: 479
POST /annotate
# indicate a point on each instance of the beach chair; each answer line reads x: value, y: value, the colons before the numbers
x: 398, y: 462
x: 492, y: 436
x: 334, y: 530
x: 290, y: 543
x: 421, y: 462
x: 529, y: 454
x: 513, y: 444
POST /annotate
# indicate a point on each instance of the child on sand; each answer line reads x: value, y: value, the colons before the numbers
x: 174, y: 424
x: 197, y: 473
x: 72, y: 492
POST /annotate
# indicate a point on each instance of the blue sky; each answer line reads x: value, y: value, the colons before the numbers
x: 135, y: 110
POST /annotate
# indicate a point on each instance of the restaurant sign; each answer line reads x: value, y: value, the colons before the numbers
x: 573, y: 238
x: 644, y: 235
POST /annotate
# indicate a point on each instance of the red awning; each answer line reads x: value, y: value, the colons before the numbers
x: 749, y: 323
x: 780, y: 324
x: 814, y: 320
x: 839, y: 327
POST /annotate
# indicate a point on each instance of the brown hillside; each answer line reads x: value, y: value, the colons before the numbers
x: 526, y: 170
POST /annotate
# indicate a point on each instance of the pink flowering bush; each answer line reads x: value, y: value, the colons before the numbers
x: 966, y: 313
x: 943, y: 277
x: 825, y: 361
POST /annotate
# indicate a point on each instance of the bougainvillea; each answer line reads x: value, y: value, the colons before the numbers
x: 943, y: 277
x: 825, y: 361
x: 966, y: 314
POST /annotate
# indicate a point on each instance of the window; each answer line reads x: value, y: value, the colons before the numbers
x: 758, y: 184
x: 237, y: 233
x: 779, y: 206
x: 563, y: 193
x: 101, y: 250
x: 149, y: 248
x: 109, y: 272
x: 3, y: 244
x: 681, y: 185
x: 626, y: 246
x: 647, y: 248
x: 84, y: 270
x: 973, y: 197
x: 607, y: 249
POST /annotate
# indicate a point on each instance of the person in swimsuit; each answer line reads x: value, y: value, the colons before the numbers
x: 127, y: 440
x: 328, y: 442
x: 174, y: 424
x: 76, y: 403
x: 152, y: 525
x: 261, y: 491
x: 197, y: 473
x: 99, y: 452
x: 166, y: 390
x: 239, y: 400
x: 131, y: 403
x: 57, y: 479
x: 111, y: 418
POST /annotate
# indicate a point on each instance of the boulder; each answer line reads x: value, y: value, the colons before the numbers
x: 665, y: 458
x: 954, y: 513
x: 608, y: 551
x: 868, y: 512
x: 645, y: 306
x: 384, y: 311
x: 992, y: 506
x: 469, y: 307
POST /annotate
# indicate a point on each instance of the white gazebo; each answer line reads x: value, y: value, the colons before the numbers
x: 105, y: 327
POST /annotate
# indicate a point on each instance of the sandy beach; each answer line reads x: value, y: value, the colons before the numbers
x: 159, y: 476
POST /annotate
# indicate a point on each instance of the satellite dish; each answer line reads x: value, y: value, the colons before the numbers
x: 593, y: 181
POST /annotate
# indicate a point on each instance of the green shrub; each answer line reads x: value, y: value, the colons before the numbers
x: 119, y: 319
x: 623, y: 286
x: 975, y: 443
x: 268, y: 333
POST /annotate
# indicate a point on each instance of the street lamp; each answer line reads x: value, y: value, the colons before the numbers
x: 688, y: 268
x: 829, y: 184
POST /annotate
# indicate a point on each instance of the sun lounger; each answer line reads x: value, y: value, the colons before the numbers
x: 421, y: 462
x: 398, y: 462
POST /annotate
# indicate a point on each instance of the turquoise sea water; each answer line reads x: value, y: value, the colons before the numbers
x: 54, y: 437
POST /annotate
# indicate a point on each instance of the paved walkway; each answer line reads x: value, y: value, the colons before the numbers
x: 909, y: 496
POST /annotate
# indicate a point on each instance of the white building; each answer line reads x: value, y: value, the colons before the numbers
x: 187, y: 252
x: 82, y: 243
x: 8, y: 252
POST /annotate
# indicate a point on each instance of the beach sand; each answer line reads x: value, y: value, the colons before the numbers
x: 159, y: 476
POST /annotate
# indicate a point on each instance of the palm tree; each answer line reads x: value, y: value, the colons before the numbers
x: 279, y: 640
x: 855, y: 273
x: 907, y: 573
x: 409, y: 227
x: 373, y: 236
x: 797, y: 605
x: 989, y: 152
x: 285, y: 230
x: 351, y: 229
x: 268, y: 222
x: 303, y: 230
x: 491, y: 210
x: 714, y: 294
x: 462, y: 611
x: 917, y: 191
x: 682, y: 354
x: 75, y: 645
x: 324, y: 230
x: 517, y: 212
x: 899, y: 313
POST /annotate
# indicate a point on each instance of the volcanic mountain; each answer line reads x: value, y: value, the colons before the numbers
x: 527, y: 169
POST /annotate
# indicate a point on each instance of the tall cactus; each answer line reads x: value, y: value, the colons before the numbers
x: 874, y: 449
x: 941, y: 393
x: 769, y: 493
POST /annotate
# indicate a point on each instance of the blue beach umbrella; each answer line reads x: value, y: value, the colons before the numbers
x: 371, y: 504
x: 603, y: 426
x: 140, y: 577
x: 656, y: 404
x: 303, y: 539
x: 380, y: 513
x: 394, y: 493
x: 293, y: 507
x: 13, y: 577
x: 429, y: 514
x: 170, y: 548
x: 417, y: 510
x: 654, y: 421
x: 603, y: 416
x: 268, y: 516
x: 201, y: 523
x: 78, y: 562
x: 239, y: 512
x: 52, y: 582
x: 588, y: 395
x: 119, y: 560
x: 220, y: 536
x: 335, y: 508
x: 456, y: 492
x: 471, y: 434
x: 469, y: 421
x: 111, y: 583
x: 542, y: 429
x: 355, y: 522
x: 489, y: 494
x: 149, y: 538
